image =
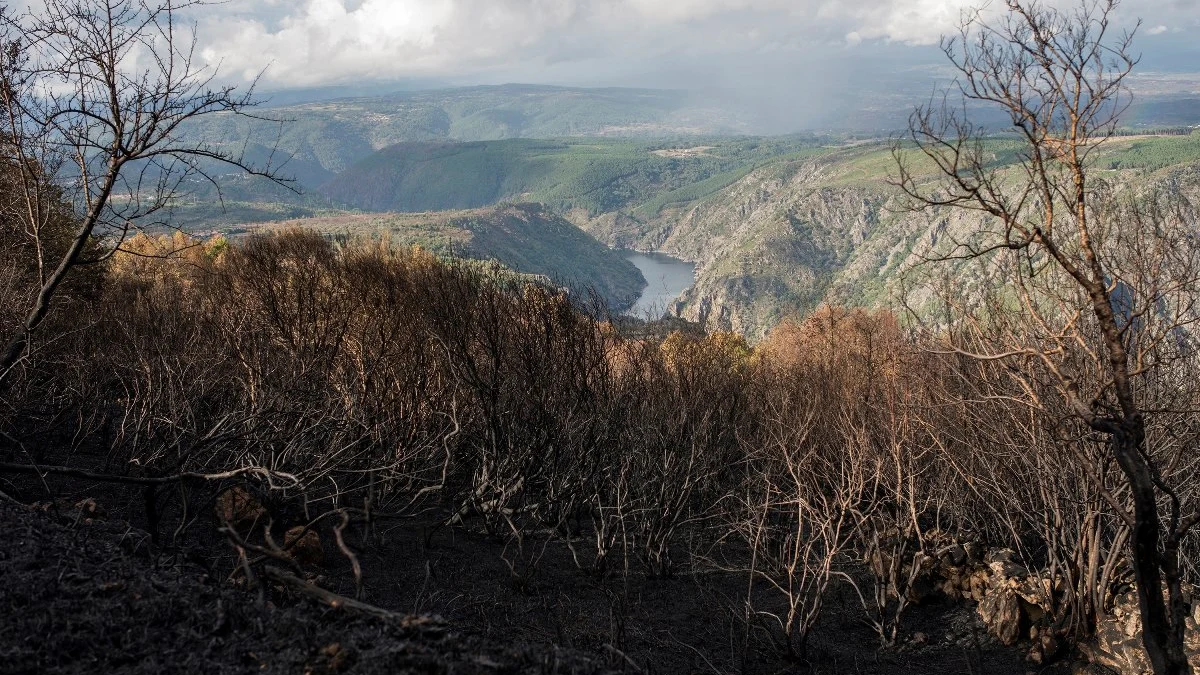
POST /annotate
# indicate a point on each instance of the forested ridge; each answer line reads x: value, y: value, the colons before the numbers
x: 525, y: 238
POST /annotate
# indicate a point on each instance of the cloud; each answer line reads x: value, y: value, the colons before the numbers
x: 914, y: 22
x: 312, y: 42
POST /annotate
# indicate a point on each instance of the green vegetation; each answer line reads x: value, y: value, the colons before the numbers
x: 711, y: 185
x: 777, y: 226
x: 197, y: 216
x: 1150, y: 152
x: 325, y: 138
x: 692, y: 192
x: 526, y: 238
x: 597, y: 175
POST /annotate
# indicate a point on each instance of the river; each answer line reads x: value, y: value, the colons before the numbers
x: 667, y: 277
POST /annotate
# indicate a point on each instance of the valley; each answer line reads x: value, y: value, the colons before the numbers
x: 774, y: 226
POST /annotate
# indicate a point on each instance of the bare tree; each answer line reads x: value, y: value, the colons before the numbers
x: 95, y: 97
x: 1099, y: 301
x: 796, y: 516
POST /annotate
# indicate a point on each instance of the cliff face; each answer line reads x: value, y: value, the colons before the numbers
x: 782, y: 240
x: 793, y: 235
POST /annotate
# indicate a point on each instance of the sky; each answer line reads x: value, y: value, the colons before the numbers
x: 681, y: 43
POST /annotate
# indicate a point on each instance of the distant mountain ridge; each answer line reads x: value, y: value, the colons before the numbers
x: 324, y: 138
x: 315, y: 142
x: 596, y: 175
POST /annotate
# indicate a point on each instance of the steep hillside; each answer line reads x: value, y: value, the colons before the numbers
x: 527, y: 238
x: 776, y: 226
x: 775, y: 241
x: 829, y: 228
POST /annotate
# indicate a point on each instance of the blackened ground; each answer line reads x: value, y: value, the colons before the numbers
x: 80, y: 594
x: 683, y: 625
x: 85, y: 595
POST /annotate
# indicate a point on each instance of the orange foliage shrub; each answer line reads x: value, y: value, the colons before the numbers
x: 852, y: 350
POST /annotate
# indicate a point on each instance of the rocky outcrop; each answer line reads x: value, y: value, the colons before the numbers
x: 1012, y: 602
x: 1117, y: 645
x: 792, y: 235
x: 788, y: 237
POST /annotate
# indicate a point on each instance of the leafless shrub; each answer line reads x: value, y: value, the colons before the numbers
x: 1096, y: 319
x: 93, y: 96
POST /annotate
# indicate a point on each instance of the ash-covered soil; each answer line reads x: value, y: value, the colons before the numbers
x: 85, y: 595
x: 688, y: 624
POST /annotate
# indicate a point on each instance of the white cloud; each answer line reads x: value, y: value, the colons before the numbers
x: 310, y: 42
x: 917, y: 22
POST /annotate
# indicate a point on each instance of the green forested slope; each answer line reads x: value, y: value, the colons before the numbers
x: 595, y: 175
x: 527, y: 238
x: 324, y: 138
